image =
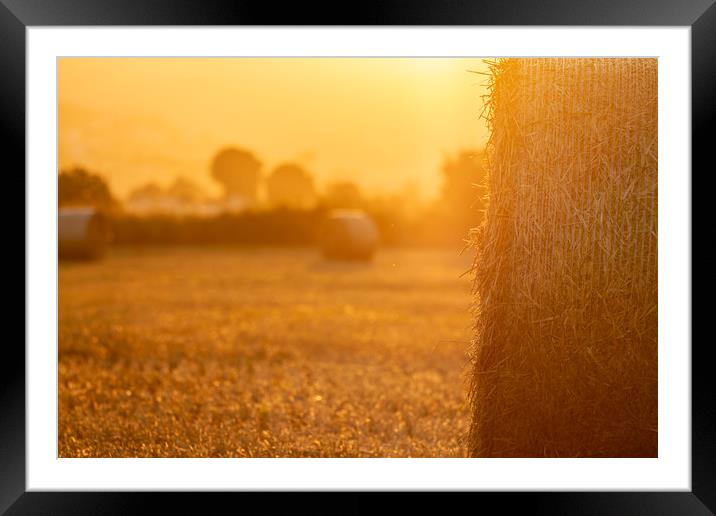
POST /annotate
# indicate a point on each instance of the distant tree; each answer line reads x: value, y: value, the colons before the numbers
x: 292, y: 186
x: 238, y: 171
x: 185, y: 190
x: 78, y: 187
x: 463, y: 188
x: 344, y: 195
x: 150, y: 191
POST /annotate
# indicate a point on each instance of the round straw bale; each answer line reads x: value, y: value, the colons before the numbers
x: 349, y: 235
x: 565, y: 351
x: 82, y: 234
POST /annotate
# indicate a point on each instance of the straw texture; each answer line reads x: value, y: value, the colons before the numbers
x: 565, y: 351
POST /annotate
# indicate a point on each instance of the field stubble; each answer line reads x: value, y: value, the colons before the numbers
x: 230, y: 352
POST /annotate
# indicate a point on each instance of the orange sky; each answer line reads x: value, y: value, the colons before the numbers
x: 381, y: 122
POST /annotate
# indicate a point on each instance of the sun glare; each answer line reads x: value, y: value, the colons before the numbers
x: 384, y: 123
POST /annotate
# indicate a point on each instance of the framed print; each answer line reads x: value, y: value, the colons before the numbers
x: 443, y: 247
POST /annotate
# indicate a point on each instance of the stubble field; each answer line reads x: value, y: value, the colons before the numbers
x: 230, y: 352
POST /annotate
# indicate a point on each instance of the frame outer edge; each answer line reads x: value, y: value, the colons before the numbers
x: 703, y: 99
x: 372, y: 12
x: 12, y: 111
x: 12, y: 364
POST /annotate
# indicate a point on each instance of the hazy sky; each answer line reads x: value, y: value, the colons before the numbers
x: 381, y: 122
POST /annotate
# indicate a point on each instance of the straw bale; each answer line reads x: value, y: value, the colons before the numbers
x: 82, y: 234
x: 565, y: 274
x: 349, y: 235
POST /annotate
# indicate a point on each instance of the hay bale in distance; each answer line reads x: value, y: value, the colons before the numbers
x: 349, y: 235
x: 565, y: 352
x: 82, y: 234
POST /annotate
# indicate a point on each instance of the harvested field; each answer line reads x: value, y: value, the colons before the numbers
x: 229, y: 352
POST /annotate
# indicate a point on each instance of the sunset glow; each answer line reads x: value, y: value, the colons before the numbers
x: 384, y: 123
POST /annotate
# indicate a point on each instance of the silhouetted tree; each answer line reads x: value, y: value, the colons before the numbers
x: 238, y: 171
x: 185, y: 190
x: 463, y: 189
x: 78, y: 187
x: 291, y: 186
x: 344, y: 195
x: 148, y: 191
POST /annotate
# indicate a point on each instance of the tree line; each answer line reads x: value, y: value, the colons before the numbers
x: 293, y: 208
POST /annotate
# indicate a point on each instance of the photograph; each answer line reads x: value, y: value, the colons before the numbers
x: 356, y: 257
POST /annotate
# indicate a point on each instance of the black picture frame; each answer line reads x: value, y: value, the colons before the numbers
x: 17, y: 15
